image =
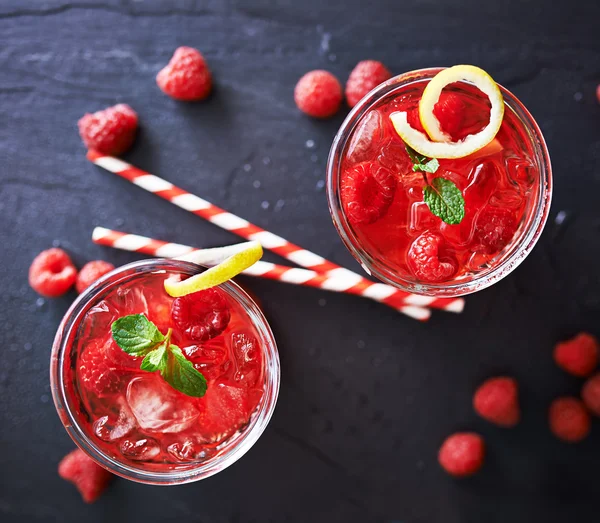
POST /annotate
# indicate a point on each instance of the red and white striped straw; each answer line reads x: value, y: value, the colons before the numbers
x: 272, y: 271
x: 232, y: 223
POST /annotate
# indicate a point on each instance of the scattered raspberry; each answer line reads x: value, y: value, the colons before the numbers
x: 91, y: 272
x: 577, y: 356
x: 52, y: 273
x: 367, y: 75
x: 97, y: 370
x: 318, y: 93
x: 186, y: 77
x: 568, y: 419
x: 495, y: 229
x: 590, y: 393
x: 367, y: 191
x: 598, y: 93
x: 81, y: 470
x: 110, y: 131
x: 201, y: 315
x: 427, y: 260
x: 462, y: 454
x: 449, y: 111
x: 496, y: 400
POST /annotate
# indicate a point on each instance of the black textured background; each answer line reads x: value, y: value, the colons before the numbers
x: 367, y: 395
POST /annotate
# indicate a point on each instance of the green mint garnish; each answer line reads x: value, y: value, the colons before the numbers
x: 138, y: 336
x: 442, y: 196
x: 445, y: 200
x: 135, y: 334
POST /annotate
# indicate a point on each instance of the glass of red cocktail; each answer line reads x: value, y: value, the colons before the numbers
x: 377, y: 201
x: 133, y: 422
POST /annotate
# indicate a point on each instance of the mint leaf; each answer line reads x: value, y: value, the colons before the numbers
x: 430, y: 167
x: 414, y: 155
x: 420, y: 162
x: 181, y: 374
x: 135, y: 334
x: 445, y: 200
x: 155, y: 359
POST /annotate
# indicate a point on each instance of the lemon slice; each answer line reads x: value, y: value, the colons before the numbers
x: 228, y: 262
x: 441, y: 145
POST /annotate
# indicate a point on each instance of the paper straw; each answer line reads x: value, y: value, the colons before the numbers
x: 295, y: 276
x: 232, y: 223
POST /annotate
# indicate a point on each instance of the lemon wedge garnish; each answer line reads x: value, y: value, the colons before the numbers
x: 441, y: 145
x: 228, y: 262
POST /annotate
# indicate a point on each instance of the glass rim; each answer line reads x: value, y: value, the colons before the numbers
x: 518, y: 250
x: 233, y: 449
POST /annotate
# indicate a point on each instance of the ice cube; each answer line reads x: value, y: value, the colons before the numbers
x: 484, y: 179
x: 421, y: 217
x: 129, y: 299
x: 189, y: 450
x: 520, y: 171
x: 366, y: 138
x: 395, y: 158
x: 246, y: 353
x: 158, y: 407
x: 143, y: 449
x: 110, y: 428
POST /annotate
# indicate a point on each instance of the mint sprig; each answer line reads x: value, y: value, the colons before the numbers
x: 442, y: 196
x: 138, y: 336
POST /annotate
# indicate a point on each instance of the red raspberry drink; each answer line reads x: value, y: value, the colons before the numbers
x: 379, y: 204
x: 138, y: 423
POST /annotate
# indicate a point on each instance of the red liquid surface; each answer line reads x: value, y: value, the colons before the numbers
x: 135, y: 416
x: 499, y: 180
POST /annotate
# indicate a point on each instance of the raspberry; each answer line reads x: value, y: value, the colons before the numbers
x: 318, y: 94
x: 414, y: 120
x: 367, y: 75
x: 496, y: 400
x: 97, y: 370
x: 590, y: 393
x: 427, y: 260
x: 462, y: 454
x: 449, y: 111
x: 201, y: 315
x: 186, y: 77
x: 52, y: 273
x: 367, y: 191
x: 91, y: 272
x: 494, y: 229
x: 568, y: 419
x: 110, y: 131
x: 81, y: 470
x: 577, y: 356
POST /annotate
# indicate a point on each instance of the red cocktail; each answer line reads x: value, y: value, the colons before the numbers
x: 140, y: 424
x: 378, y: 203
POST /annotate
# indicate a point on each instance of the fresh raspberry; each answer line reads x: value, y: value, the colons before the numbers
x: 590, y: 393
x: 97, y: 370
x: 496, y: 400
x: 568, y: 419
x: 598, y: 93
x: 52, y: 273
x: 110, y: 131
x: 201, y: 315
x: 367, y: 191
x: 414, y: 120
x: 318, y: 94
x: 427, y: 260
x: 367, y: 75
x: 91, y: 272
x: 449, y: 111
x: 462, y: 454
x: 81, y: 470
x: 186, y: 77
x: 494, y: 229
x: 577, y: 356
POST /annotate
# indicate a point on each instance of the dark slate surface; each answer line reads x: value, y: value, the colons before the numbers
x: 367, y: 395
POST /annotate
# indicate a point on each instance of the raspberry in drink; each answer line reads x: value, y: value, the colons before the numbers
x: 452, y: 226
x: 149, y: 423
